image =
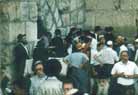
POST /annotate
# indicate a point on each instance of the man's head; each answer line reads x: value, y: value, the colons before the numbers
x: 69, y: 88
x: 109, y: 29
x: 120, y: 40
x: 58, y: 32
x: 39, y: 68
x: 124, y: 56
x: 110, y: 43
x: 102, y: 39
x: 67, y: 85
x: 53, y: 67
x: 22, y: 38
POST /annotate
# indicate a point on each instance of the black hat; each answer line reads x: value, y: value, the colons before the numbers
x: 52, y: 67
x: 20, y: 36
x: 109, y: 29
x: 97, y: 28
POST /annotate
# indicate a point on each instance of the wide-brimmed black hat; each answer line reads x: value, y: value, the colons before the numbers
x: 52, y: 67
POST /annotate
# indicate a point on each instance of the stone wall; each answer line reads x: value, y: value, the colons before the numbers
x: 61, y: 14
x: 20, y: 16
x: 16, y: 17
x: 121, y: 14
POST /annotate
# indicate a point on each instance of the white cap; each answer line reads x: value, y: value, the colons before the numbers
x: 109, y: 42
x: 136, y: 40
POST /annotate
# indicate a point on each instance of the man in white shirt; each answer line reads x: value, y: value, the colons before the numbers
x: 108, y: 58
x: 125, y: 71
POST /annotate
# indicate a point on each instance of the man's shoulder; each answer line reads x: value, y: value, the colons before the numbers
x: 118, y: 63
x: 19, y: 45
x: 132, y: 63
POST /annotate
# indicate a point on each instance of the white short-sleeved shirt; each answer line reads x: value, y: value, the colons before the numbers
x: 109, y: 56
x: 129, y: 69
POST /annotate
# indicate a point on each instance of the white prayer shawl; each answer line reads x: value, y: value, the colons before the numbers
x: 52, y: 86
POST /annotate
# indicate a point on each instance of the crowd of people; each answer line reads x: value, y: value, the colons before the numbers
x: 99, y: 63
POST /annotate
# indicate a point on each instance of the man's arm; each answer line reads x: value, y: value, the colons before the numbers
x: 131, y: 76
x: 116, y: 75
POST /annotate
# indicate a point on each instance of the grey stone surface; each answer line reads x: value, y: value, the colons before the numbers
x: 66, y: 19
x: 4, y: 32
x: 104, y: 4
x: 74, y: 16
x: 16, y: 16
x: 15, y: 28
x: 126, y: 4
x: 31, y: 31
x: 80, y: 16
x: 33, y: 13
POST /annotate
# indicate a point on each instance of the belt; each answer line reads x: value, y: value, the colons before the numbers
x: 126, y: 86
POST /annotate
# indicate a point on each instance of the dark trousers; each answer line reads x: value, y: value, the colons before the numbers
x: 125, y: 90
x: 104, y: 71
x: 80, y: 79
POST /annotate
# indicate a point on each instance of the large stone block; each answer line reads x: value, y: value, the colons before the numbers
x: 81, y: 16
x: 16, y: 28
x: 74, y: 17
x: 104, y: 18
x: 64, y: 5
x: 22, y: 11
x: 33, y: 11
x: 31, y: 31
x: 57, y: 17
x: 80, y: 3
x: 10, y: 9
x: 88, y: 18
x: 4, y: 32
x: 52, y: 5
x: 126, y: 4
x: 26, y: 11
x: 48, y: 21
x: 124, y: 18
x: 91, y: 4
x: 135, y: 4
x: 4, y: 16
x: 6, y: 53
x: 66, y: 19
x: 18, y: 11
x: 105, y: 4
x: 73, y: 4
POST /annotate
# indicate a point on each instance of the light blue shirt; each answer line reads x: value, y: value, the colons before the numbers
x: 76, y: 59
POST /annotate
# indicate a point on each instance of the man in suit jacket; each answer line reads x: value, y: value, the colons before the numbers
x: 21, y: 54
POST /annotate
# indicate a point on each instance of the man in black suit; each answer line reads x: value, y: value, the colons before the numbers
x: 21, y: 54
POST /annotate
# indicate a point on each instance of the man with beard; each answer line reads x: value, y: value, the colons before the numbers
x: 21, y: 54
